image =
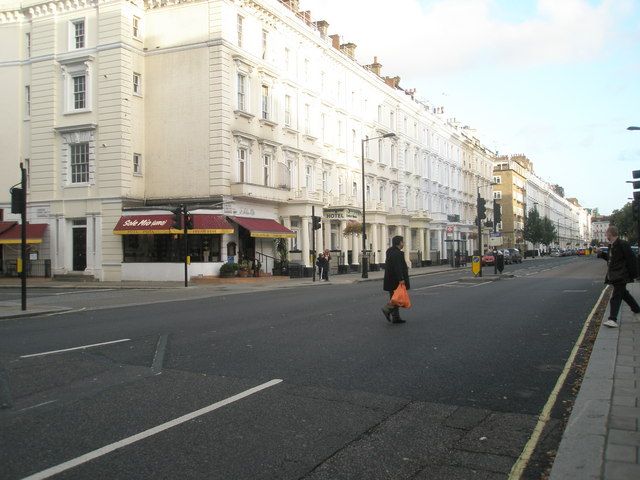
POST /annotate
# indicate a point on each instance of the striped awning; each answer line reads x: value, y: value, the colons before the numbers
x: 263, y: 227
x: 203, y: 224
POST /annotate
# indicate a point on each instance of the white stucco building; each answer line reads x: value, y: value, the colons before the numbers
x: 247, y: 112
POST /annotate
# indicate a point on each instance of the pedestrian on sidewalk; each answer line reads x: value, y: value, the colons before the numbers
x: 396, y: 273
x: 621, y: 269
x: 322, y: 266
x: 327, y: 259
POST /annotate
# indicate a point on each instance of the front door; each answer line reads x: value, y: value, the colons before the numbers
x: 79, y: 249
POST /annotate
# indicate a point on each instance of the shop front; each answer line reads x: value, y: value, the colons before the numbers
x: 153, y: 250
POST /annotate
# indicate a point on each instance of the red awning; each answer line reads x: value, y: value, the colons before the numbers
x: 13, y: 234
x: 161, y: 224
x: 264, y: 227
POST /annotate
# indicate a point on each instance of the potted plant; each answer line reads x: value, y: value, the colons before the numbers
x: 228, y: 270
x: 256, y: 268
x: 281, y: 266
x: 243, y: 268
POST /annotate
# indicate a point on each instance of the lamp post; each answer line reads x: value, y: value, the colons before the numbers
x: 365, y: 258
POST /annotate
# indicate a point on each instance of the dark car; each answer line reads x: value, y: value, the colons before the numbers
x: 516, y: 256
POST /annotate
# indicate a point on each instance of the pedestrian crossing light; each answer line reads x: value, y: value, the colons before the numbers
x: 188, y: 221
x: 482, y: 208
x: 176, y: 219
x: 317, y: 223
x: 497, y: 212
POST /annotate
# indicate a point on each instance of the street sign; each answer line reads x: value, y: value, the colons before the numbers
x: 495, y: 239
x: 475, y: 264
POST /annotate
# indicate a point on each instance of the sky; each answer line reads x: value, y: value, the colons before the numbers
x: 555, y: 80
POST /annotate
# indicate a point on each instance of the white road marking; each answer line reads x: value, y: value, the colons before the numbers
x: 87, y: 457
x: 435, y: 286
x: 74, y: 348
x: 574, y: 291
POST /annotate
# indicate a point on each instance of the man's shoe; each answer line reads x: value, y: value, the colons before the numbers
x: 610, y: 324
x: 387, y: 312
x: 399, y: 320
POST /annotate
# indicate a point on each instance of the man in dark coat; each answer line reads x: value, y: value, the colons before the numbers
x: 621, y: 269
x: 396, y: 272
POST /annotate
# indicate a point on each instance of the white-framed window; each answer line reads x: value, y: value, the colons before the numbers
x: 266, y: 100
x: 135, y: 27
x: 368, y: 192
x: 267, y: 165
x: 308, y: 177
x: 341, y: 185
x: 497, y: 179
x: 240, y: 27
x: 323, y: 127
x: 380, y: 151
x: 242, y: 92
x: 394, y: 196
x: 287, y: 59
x: 354, y: 189
x: 381, y: 192
x: 393, y: 155
x: 265, y: 44
x: 137, y: 84
x: 28, y: 44
x: 291, y: 166
x: 77, y: 34
x: 79, y: 162
x: 77, y: 93
x: 243, y: 161
x: 137, y: 164
x: 307, y: 119
x: 287, y: 110
x: 325, y: 181
x: 497, y: 195
x: 27, y: 101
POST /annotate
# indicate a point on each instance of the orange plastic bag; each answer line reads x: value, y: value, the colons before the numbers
x: 400, y: 297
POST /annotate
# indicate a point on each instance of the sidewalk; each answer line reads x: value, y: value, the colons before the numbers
x: 602, y: 438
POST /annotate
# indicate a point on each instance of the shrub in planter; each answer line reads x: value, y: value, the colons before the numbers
x: 228, y: 270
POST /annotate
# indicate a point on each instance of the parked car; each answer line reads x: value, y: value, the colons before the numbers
x: 555, y: 252
x: 516, y: 256
x: 488, y: 259
x: 507, y: 256
x: 582, y: 251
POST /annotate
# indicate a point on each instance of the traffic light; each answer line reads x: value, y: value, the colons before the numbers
x: 482, y: 208
x: 497, y: 212
x: 17, y: 200
x: 635, y: 210
x: 317, y: 223
x: 176, y: 219
x: 188, y: 221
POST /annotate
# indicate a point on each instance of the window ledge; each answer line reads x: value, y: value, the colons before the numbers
x: 242, y: 113
x: 310, y: 137
x: 290, y: 130
x: 268, y: 123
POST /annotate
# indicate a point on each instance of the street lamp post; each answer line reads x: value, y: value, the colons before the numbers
x: 365, y: 258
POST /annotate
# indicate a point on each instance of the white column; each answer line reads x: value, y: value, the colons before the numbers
x: 286, y: 221
x: 406, y: 233
x: 326, y: 234
x: 439, y: 242
x: 375, y: 237
x: 304, y: 231
x: 421, y: 243
x: 427, y: 244
x: 344, y: 241
x: 384, y: 241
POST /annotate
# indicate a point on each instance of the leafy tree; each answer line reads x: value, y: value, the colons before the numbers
x: 623, y: 219
x: 548, y: 231
x: 532, y: 231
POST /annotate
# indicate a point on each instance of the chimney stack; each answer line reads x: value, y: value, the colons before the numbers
x: 335, y: 41
x: 323, y: 28
x: 349, y: 49
x: 375, y: 67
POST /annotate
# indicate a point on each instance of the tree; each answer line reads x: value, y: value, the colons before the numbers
x: 548, y: 231
x: 532, y: 231
x: 623, y: 219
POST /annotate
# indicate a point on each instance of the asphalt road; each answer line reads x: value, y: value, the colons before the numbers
x: 453, y: 393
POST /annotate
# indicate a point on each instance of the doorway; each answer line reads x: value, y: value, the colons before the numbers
x: 79, y: 254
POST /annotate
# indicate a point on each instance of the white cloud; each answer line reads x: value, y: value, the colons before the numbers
x: 447, y: 36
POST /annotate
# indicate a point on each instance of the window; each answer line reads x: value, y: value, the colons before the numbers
x: 265, y: 44
x: 76, y: 84
x: 79, y: 162
x: 497, y: 179
x: 325, y: 181
x: 287, y: 110
x: 341, y: 185
x: 307, y: 119
x: 368, y: 192
x: 323, y: 127
x: 242, y: 165
x: 77, y: 34
x: 308, y: 177
x: 287, y: 59
x: 137, y: 164
x: 137, y: 84
x: 497, y: 195
x: 266, y: 170
x: 27, y: 101
x: 354, y: 189
x: 135, y: 27
x: 240, y: 23
x: 265, y: 102
x: 28, y: 44
x: 242, y: 89
x: 79, y: 92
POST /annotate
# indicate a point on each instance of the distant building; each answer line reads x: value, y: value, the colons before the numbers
x: 599, y: 225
